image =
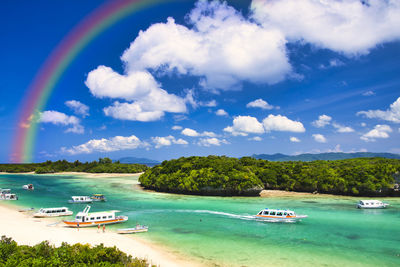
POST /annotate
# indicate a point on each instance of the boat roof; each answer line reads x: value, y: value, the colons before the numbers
x: 98, y: 195
x: 96, y: 213
x: 80, y: 196
x: 370, y: 200
x: 277, y: 209
x: 54, y: 208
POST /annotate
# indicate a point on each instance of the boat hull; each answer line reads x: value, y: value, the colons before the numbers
x: 74, y: 224
x: 40, y: 215
x: 80, y: 202
x: 280, y: 219
x: 377, y: 207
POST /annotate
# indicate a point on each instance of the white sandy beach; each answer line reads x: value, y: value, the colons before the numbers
x: 27, y: 230
x: 86, y: 174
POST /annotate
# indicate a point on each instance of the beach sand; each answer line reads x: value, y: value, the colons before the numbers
x: 26, y: 230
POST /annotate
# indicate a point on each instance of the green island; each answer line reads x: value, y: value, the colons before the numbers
x: 225, y: 176
x: 104, y: 165
x: 44, y: 254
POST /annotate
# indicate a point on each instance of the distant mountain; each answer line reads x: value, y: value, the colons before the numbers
x: 325, y: 156
x: 132, y: 160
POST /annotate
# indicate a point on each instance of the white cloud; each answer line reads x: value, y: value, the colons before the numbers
x: 176, y: 128
x: 115, y: 143
x: 167, y: 141
x: 59, y: 118
x: 336, y: 149
x: 221, y: 47
x: 211, y: 103
x: 78, y: 107
x: 363, y: 124
x: 194, y: 133
x: 379, y: 131
x: 190, y: 132
x: 342, y: 129
x: 392, y: 114
x: 319, y: 138
x: 294, y: 139
x: 283, y: 124
x: 221, y: 112
x: 211, y: 142
x: 333, y: 24
x: 332, y: 64
x: 243, y: 125
x: 322, y: 121
x: 259, y: 103
x: 147, y: 101
x: 368, y: 93
x: 255, y: 138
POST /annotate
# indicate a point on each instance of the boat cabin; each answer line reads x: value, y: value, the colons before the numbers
x: 80, y: 199
x: 276, y: 213
x: 371, y: 204
x: 53, y: 210
x: 5, y: 191
x: 85, y: 216
x: 98, y: 197
x: 8, y: 197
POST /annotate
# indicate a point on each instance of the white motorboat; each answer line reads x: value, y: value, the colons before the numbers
x: 52, y: 212
x: 371, y: 204
x: 138, y: 229
x: 277, y: 215
x: 86, y: 219
x: 28, y: 187
x: 5, y: 194
x: 80, y: 199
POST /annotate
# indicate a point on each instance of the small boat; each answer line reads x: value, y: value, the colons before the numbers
x: 52, y: 212
x: 80, y: 199
x: 277, y: 215
x: 26, y: 210
x: 28, y: 187
x: 138, y: 229
x: 371, y: 204
x: 8, y: 196
x: 98, y: 197
x: 86, y: 219
x: 5, y: 191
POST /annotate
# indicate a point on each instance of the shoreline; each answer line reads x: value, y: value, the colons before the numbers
x: 85, y: 174
x: 26, y: 230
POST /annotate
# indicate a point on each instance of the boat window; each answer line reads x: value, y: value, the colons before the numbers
x: 62, y: 210
x: 104, y: 217
x: 279, y: 214
x: 259, y: 213
x: 272, y: 213
x: 47, y: 211
x: 98, y: 218
x: 265, y: 213
x: 285, y: 213
x: 110, y: 216
x: 78, y: 217
x: 92, y: 218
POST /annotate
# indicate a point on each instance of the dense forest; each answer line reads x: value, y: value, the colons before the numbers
x: 214, y: 175
x: 44, y: 254
x: 104, y: 165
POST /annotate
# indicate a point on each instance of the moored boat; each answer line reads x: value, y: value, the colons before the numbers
x: 80, y: 199
x: 5, y: 194
x: 371, y: 204
x: 86, y: 219
x: 28, y: 187
x: 277, y: 215
x: 52, y: 212
x: 138, y: 229
x: 98, y: 197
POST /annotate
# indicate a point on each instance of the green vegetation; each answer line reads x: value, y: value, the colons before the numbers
x: 325, y: 156
x: 215, y: 175
x: 102, y: 166
x: 44, y: 254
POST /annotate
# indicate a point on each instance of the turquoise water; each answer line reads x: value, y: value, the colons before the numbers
x: 218, y: 231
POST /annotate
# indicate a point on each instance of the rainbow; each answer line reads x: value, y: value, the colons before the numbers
x: 58, y: 61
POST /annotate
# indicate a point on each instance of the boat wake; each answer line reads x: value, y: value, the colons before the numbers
x: 220, y: 213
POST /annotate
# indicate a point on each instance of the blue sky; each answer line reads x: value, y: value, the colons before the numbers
x: 227, y: 78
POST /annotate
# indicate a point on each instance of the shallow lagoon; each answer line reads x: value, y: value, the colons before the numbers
x: 218, y: 230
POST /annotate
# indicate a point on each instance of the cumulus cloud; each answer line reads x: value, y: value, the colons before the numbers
x: 319, y: 138
x: 115, y: 143
x: 255, y: 138
x: 283, y: 124
x: 259, y: 103
x: 342, y: 129
x: 392, y: 114
x: 243, y: 125
x: 322, y: 121
x: 211, y: 142
x: 167, y: 141
x: 220, y: 46
x: 294, y: 139
x: 332, y: 24
x: 194, y: 133
x: 147, y: 100
x: 221, y: 112
x: 332, y: 64
x: 78, y: 107
x: 379, y: 131
x: 59, y: 118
